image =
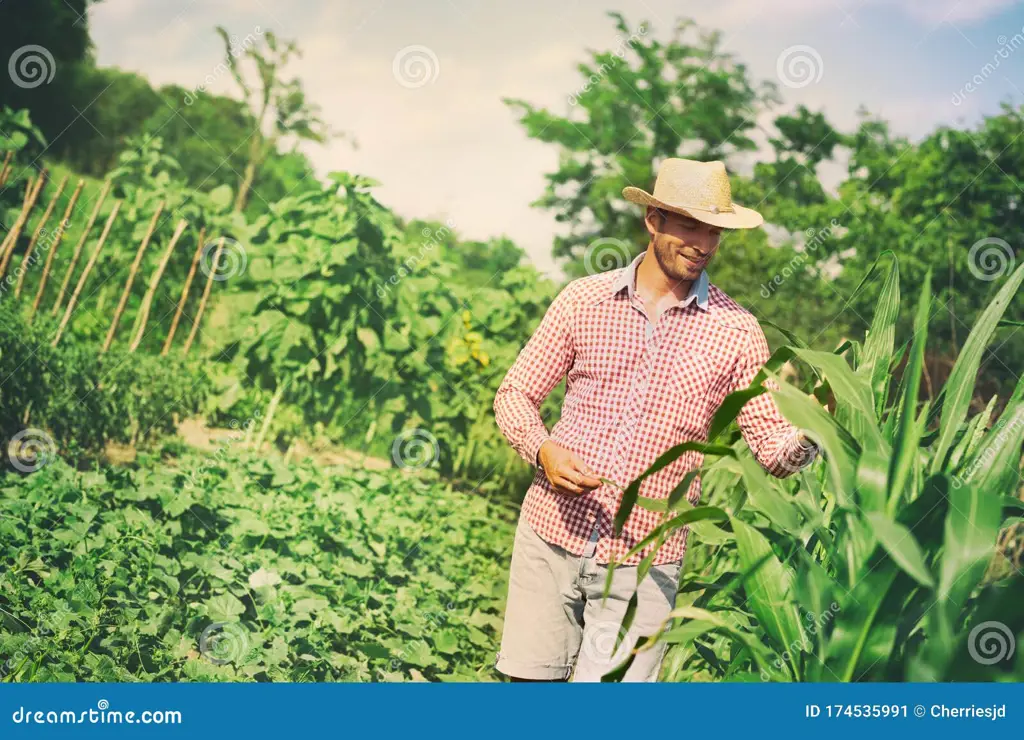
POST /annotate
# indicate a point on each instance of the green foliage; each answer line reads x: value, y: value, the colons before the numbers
x: 220, y: 568
x: 870, y: 566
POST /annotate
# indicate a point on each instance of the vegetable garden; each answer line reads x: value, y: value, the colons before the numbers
x: 349, y: 515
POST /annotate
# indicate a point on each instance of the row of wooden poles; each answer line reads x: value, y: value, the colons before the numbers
x: 33, y: 188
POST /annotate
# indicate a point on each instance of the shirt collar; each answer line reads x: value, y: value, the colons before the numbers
x: 698, y: 291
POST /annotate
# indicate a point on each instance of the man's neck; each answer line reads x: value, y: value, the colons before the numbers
x: 653, y: 284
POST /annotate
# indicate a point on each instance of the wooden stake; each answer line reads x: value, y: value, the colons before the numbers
x: 154, y: 281
x: 61, y: 229
x: 184, y: 294
x: 206, y: 295
x: 131, y: 277
x: 85, y: 273
x: 36, y: 234
x: 78, y: 248
x: 12, y: 237
x: 5, y: 171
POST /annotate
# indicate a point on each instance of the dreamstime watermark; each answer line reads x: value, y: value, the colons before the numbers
x: 990, y: 643
x: 435, y: 620
x: 988, y: 455
x: 814, y: 623
x: 47, y: 628
x: 813, y: 239
x: 619, y: 53
x: 599, y: 640
x: 223, y: 258
x: 31, y: 66
x: 1005, y: 50
x: 799, y: 66
x: 240, y: 430
x: 31, y: 449
x: 990, y: 258
x: 414, y: 449
x: 101, y: 715
x: 606, y: 253
x: 432, y: 238
x: 236, y: 48
x: 415, y: 66
x: 45, y: 243
x: 224, y: 642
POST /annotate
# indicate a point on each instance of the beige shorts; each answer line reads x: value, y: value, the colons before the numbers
x: 556, y: 626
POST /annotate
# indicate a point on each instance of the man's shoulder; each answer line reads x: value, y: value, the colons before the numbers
x: 590, y: 289
x: 728, y: 312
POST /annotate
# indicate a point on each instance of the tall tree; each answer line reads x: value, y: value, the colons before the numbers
x: 278, y: 107
x: 639, y: 103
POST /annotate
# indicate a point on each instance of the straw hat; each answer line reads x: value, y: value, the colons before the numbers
x: 699, y: 190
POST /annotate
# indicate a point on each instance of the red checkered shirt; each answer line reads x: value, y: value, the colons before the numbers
x: 633, y: 390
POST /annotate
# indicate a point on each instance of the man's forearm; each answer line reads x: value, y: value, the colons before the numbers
x: 519, y: 419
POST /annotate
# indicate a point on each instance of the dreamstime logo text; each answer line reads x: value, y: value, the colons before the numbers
x: 619, y: 54
x: 1005, y: 50
x: 814, y: 623
x: 46, y: 241
x: 236, y: 48
x: 432, y: 238
x: 814, y: 238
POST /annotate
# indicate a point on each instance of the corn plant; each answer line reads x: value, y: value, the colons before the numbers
x: 870, y: 564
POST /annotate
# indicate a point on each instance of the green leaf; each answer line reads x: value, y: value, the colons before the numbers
x: 899, y: 542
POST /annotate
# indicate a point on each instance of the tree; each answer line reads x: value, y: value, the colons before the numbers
x: 639, y: 104
x: 278, y: 107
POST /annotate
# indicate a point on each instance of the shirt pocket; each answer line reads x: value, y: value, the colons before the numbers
x: 692, y: 376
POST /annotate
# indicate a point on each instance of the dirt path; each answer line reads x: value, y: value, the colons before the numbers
x: 195, y: 433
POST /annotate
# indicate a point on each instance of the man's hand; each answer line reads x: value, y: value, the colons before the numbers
x: 565, y: 470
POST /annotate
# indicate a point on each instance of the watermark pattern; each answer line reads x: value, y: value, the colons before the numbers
x: 813, y: 624
x: 45, y: 632
x: 432, y: 238
x: 224, y: 642
x: 46, y: 241
x: 220, y: 455
x: 990, y: 643
x: 31, y: 449
x: 988, y: 455
x: 31, y: 66
x: 435, y: 620
x: 415, y: 66
x: 223, y: 263
x: 799, y: 66
x: 606, y: 253
x: 1006, y: 48
x: 602, y: 71
x: 237, y: 48
x: 101, y: 715
x: 813, y: 239
x: 415, y: 449
x: 599, y: 640
x: 990, y: 258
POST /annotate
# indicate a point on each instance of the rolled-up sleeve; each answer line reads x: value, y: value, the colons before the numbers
x: 775, y: 442
x: 543, y: 361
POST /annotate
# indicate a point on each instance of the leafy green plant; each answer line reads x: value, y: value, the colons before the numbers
x: 871, y: 565
x: 231, y: 568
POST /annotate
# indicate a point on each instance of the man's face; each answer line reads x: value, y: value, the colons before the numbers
x: 683, y: 246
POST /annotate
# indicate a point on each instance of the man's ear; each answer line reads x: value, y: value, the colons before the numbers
x: 653, y: 219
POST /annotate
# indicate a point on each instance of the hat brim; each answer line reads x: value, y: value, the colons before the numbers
x: 741, y: 217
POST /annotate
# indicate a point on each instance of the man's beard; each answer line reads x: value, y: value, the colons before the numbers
x: 666, y: 252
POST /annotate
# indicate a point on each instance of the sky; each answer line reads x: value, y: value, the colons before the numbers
x: 419, y: 84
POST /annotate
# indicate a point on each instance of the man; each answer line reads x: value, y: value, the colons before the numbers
x: 649, y: 352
